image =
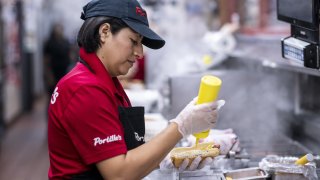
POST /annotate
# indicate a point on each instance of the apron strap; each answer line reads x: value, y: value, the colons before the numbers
x: 132, y: 119
x: 85, y: 64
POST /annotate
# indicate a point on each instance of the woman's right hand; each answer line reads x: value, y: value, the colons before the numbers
x: 197, y: 118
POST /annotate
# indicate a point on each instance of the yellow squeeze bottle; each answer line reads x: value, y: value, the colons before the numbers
x: 208, y: 92
x: 304, y: 159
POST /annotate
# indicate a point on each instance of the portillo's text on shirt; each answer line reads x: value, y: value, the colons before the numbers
x: 112, y: 138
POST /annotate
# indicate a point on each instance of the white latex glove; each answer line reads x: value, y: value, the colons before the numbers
x: 197, y: 118
x: 225, y: 138
x: 166, y: 163
x: 227, y: 142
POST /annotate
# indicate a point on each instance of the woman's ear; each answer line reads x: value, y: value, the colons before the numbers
x: 104, y: 32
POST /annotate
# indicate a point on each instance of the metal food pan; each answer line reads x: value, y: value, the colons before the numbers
x: 246, y: 174
x: 287, y: 176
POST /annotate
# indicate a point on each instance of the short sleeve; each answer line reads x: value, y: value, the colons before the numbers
x: 92, y: 122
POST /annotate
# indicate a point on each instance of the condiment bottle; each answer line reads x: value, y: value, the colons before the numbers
x: 208, y: 92
x: 304, y: 159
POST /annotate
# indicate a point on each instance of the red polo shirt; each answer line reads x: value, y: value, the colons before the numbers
x: 84, y: 126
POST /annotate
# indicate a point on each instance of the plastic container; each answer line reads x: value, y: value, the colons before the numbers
x: 284, y: 168
x: 208, y: 92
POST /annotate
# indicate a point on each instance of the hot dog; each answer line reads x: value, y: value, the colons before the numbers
x: 204, y: 150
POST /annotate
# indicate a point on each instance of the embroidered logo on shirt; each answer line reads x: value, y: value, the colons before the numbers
x: 54, y: 96
x: 138, y: 138
x: 112, y: 138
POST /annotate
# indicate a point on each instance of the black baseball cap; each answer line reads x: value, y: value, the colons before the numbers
x: 130, y: 12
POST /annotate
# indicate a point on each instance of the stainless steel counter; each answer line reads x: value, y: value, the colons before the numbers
x: 204, y: 174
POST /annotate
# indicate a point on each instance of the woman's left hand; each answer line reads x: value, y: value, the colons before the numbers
x: 227, y: 140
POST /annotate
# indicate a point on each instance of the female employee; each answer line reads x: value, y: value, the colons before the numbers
x: 93, y: 132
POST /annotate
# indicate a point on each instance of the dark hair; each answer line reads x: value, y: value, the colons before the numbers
x: 88, y: 36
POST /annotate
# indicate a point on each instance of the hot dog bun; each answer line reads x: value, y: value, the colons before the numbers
x: 204, y: 150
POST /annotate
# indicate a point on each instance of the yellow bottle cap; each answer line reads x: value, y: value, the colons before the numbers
x: 202, y: 135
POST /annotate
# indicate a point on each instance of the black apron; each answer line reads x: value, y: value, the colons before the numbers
x: 132, y: 119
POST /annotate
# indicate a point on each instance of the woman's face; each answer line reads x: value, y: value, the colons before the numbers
x: 118, y: 52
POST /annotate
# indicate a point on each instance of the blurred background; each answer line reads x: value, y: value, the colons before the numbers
x: 272, y: 104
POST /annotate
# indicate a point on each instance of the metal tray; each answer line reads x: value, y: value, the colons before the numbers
x: 246, y: 174
x: 203, y: 174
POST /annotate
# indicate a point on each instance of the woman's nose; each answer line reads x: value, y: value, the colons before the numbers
x: 138, y: 52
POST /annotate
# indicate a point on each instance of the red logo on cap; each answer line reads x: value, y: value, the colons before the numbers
x: 140, y: 11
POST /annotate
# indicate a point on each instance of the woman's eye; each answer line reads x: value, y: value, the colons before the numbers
x: 134, y: 42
